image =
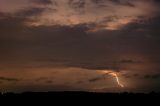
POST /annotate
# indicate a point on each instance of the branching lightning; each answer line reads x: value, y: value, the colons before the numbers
x: 114, y: 75
x: 117, y: 79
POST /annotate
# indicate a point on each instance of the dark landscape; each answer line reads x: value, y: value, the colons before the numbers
x: 81, y: 98
x: 80, y: 94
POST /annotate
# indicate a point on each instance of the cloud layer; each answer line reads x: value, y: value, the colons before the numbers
x: 86, y: 35
x: 97, y: 15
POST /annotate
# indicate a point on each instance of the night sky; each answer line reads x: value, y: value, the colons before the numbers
x: 80, y: 45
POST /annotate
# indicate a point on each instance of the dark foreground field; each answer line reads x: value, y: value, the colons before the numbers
x: 79, y: 94
x: 62, y: 98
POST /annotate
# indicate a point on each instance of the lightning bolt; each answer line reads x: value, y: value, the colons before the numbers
x: 114, y: 75
x: 117, y: 79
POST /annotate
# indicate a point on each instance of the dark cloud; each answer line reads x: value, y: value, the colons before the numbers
x: 95, y: 79
x: 64, y: 46
x: 43, y: 2
x: 49, y: 81
x: 42, y: 88
x: 114, y: 1
x: 129, y: 61
x: 42, y: 79
x: 151, y: 76
x: 124, y: 2
x: 154, y: 76
x: 38, y: 37
x: 102, y: 77
x: 156, y: 1
x: 30, y: 12
x: 45, y: 80
x: 77, y: 4
x: 8, y: 79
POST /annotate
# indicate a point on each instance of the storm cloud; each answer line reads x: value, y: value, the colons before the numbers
x: 75, y: 47
x: 117, y: 35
